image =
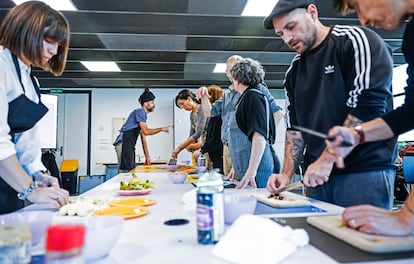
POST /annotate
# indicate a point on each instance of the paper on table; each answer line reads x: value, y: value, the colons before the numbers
x: 254, y: 239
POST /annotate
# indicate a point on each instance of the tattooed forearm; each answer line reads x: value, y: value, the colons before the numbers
x: 293, y: 151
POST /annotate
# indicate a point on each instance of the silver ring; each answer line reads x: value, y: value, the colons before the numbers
x: 353, y: 224
x: 57, y: 198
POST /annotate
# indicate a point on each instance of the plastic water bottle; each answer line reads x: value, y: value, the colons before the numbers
x: 210, y: 211
x: 201, y: 161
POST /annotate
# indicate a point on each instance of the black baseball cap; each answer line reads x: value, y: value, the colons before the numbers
x: 283, y: 7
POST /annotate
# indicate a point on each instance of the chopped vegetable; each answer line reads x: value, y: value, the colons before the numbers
x: 136, y: 183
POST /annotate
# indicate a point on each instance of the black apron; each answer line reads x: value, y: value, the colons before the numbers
x: 23, y: 115
x: 129, y: 140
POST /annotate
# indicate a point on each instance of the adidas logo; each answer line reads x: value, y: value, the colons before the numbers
x: 329, y: 69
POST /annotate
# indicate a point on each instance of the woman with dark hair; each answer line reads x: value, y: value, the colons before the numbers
x: 255, y: 120
x: 187, y: 100
x: 31, y: 34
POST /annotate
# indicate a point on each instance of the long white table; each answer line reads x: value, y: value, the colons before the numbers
x: 148, y: 240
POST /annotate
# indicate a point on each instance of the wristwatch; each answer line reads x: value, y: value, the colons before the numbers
x: 22, y: 195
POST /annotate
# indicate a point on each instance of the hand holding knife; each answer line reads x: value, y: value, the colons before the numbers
x: 344, y: 143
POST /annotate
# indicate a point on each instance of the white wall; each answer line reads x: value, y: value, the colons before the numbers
x: 118, y: 103
x: 108, y: 104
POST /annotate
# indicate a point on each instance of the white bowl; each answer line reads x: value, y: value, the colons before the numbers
x: 177, y: 177
x: 102, y: 233
x: 37, y: 220
x: 171, y: 168
x: 236, y: 205
x: 201, y: 169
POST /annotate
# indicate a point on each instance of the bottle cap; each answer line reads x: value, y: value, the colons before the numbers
x: 65, y: 237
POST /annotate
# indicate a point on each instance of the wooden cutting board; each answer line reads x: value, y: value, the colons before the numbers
x: 332, y: 225
x: 286, y: 202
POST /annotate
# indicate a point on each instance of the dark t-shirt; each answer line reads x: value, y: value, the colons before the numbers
x: 251, y: 115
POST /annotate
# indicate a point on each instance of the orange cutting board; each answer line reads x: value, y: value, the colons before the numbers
x: 332, y: 224
x: 286, y: 202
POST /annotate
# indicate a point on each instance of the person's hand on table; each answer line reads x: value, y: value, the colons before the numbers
x: 277, y: 181
x: 231, y: 176
x: 247, y: 180
x: 318, y: 172
x: 53, y: 195
x: 375, y: 220
x: 46, y: 180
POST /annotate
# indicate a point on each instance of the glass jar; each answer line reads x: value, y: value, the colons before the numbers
x: 15, y: 244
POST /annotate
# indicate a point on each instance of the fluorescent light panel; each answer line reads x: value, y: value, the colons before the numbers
x: 101, y: 66
x: 55, y: 4
x: 220, y: 68
x: 260, y: 8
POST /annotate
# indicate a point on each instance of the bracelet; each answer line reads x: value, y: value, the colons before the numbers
x: 361, y: 134
x: 37, y: 174
x: 22, y: 195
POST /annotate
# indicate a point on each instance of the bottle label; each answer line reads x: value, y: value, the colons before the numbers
x: 210, y: 217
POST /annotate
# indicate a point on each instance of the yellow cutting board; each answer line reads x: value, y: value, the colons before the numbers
x: 286, y: 202
x: 332, y: 224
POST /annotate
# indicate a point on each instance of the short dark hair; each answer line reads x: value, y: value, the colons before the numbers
x: 342, y: 8
x: 26, y: 26
x: 248, y: 72
x: 184, y: 94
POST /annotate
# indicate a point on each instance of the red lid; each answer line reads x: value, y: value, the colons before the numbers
x: 65, y: 237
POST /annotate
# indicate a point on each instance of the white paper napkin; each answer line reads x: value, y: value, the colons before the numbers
x: 254, y: 239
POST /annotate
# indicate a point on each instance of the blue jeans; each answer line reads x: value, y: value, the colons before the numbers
x: 371, y: 187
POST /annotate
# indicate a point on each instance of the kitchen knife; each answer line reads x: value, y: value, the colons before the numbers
x: 344, y: 143
x: 172, y: 161
x: 289, y: 187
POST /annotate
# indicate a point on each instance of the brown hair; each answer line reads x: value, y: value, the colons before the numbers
x: 215, y: 92
x: 27, y: 25
x: 342, y: 8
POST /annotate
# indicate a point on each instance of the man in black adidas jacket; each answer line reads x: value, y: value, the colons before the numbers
x: 340, y: 76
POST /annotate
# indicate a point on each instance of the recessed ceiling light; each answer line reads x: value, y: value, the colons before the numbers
x: 101, y: 66
x: 55, y: 4
x: 220, y: 67
x: 259, y: 8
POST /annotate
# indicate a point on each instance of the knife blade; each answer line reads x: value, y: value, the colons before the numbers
x: 172, y: 161
x: 288, y: 187
x: 344, y: 143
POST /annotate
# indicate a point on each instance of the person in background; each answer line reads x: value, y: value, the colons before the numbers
x: 135, y: 125
x: 213, y: 146
x: 31, y: 34
x: 234, y: 153
x: 388, y: 14
x: 341, y: 75
x: 187, y: 100
x: 254, y: 118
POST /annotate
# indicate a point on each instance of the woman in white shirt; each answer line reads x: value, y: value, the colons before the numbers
x: 31, y: 34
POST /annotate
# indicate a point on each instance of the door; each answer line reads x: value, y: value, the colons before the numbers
x: 73, y: 133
